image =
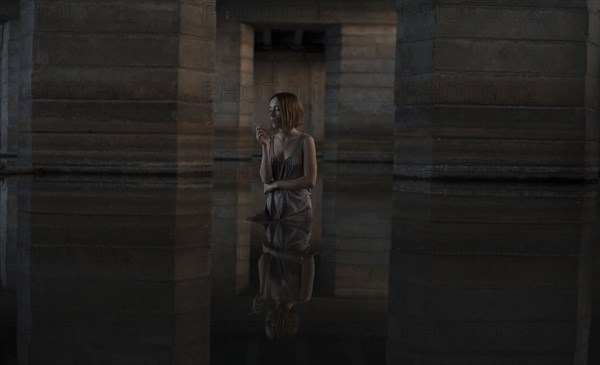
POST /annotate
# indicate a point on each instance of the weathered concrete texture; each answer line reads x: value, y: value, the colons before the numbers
x: 491, y: 274
x: 9, y: 10
x: 9, y: 92
x: 8, y: 234
x: 113, y: 271
x: 300, y: 73
x: 230, y: 231
x: 360, y: 90
x: 233, y: 75
x: 359, y: 69
x: 497, y: 90
x: 117, y: 87
x: 310, y: 12
x: 356, y: 230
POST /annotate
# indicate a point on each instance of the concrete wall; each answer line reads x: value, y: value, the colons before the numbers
x: 300, y: 73
x: 117, y: 87
x: 491, y: 274
x: 498, y: 90
x: 358, y: 99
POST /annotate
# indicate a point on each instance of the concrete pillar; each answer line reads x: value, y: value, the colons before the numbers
x: 117, y: 87
x: 491, y: 274
x: 360, y: 91
x: 114, y: 271
x: 233, y: 91
x: 501, y: 90
x: 9, y: 90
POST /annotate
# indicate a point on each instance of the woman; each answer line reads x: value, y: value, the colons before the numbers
x: 288, y: 166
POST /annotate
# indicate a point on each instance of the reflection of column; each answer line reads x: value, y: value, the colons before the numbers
x: 242, y: 239
x: 230, y: 229
x: 3, y: 233
x: 356, y: 229
x: 490, y: 274
x: 114, y: 271
x: 8, y: 233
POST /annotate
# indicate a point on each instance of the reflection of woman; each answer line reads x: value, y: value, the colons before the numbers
x: 288, y: 167
x: 286, y: 271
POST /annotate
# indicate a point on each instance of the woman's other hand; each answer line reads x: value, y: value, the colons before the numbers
x: 258, y: 304
x: 262, y: 136
x: 268, y: 250
x: 267, y: 188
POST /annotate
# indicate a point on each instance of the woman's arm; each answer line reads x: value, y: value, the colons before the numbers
x: 266, y: 172
x: 307, y: 278
x: 263, y: 269
x: 309, y: 179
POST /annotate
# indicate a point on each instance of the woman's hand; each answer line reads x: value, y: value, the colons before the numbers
x: 267, y: 188
x: 258, y: 303
x: 262, y: 136
x: 268, y: 250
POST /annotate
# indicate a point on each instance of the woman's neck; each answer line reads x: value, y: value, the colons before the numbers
x: 286, y: 134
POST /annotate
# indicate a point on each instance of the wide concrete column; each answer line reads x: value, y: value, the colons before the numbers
x: 502, y: 90
x: 117, y: 87
x: 360, y: 91
x: 9, y: 87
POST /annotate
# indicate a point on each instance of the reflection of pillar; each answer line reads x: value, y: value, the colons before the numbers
x: 117, y: 87
x: 3, y: 233
x: 8, y: 233
x: 230, y: 229
x: 242, y: 240
x: 490, y: 274
x: 356, y: 229
x: 114, y: 271
x: 360, y: 91
x: 478, y: 94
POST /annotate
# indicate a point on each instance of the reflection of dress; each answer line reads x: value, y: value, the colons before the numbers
x: 288, y: 237
x: 283, y: 203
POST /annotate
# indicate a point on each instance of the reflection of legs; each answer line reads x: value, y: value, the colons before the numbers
x: 260, y: 300
x: 263, y: 270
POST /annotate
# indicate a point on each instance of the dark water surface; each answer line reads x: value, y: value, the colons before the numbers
x: 146, y: 270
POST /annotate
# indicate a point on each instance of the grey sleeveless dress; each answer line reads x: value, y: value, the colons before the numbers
x: 283, y: 204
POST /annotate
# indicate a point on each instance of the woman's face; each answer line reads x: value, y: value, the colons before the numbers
x: 275, y: 114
